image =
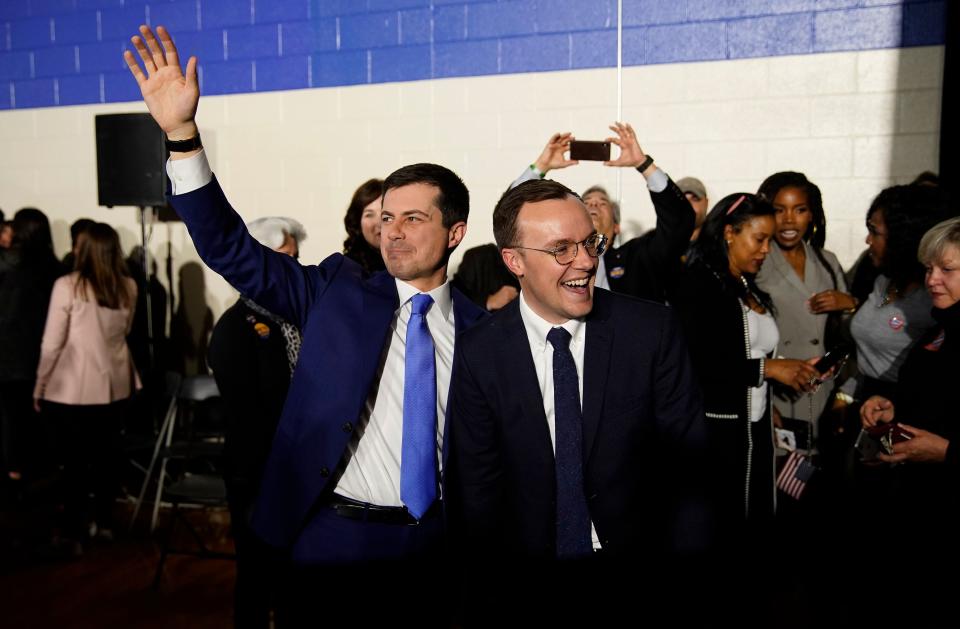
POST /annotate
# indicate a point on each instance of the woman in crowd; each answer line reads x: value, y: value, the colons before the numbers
x: 86, y: 376
x: 27, y: 272
x: 252, y: 354
x: 733, y: 337
x: 807, y: 287
x: 897, y: 311
x: 922, y: 502
x: 363, y: 226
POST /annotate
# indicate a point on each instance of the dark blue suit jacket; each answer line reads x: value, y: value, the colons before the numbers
x: 643, y: 436
x: 345, y: 318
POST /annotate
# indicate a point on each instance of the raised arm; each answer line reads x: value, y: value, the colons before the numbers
x: 676, y: 218
x: 551, y: 158
x: 273, y: 280
x: 170, y: 95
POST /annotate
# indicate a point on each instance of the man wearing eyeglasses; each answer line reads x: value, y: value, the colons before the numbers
x: 576, y: 423
x: 646, y: 265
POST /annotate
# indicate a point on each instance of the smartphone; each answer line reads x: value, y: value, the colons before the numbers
x: 590, y: 151
x: 831, y: 359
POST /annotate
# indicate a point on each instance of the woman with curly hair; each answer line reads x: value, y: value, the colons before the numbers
x: 897, y: 312
x: 363, y: 226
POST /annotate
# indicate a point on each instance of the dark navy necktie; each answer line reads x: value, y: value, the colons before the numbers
x: 573, y: 518
x: 418, y: 453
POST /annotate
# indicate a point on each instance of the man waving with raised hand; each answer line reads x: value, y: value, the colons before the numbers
x: 353, y: 479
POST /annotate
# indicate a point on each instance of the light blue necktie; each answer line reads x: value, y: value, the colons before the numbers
x: 418, y: 454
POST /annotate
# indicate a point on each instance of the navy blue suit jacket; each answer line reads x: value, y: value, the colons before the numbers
x: 643, y: 437
x: 345, y: 319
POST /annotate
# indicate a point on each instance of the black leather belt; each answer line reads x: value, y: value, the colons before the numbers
x: 356, y: 510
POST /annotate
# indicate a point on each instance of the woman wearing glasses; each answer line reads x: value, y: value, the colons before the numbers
x: 733, y: 337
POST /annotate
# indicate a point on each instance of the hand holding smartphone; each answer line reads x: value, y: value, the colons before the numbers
x: 590, y: 150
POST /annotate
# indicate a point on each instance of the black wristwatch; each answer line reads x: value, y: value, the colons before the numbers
x: 184, y: 146
x: 645, y: 165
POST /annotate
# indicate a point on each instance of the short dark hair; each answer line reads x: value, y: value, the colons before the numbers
x: 816, y: 233
x: 509, y: 205
x: 78, y: 227
x: 453, y: 198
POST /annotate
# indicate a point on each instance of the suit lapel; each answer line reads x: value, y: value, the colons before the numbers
x: 596, y: 363
x: 465, y: 315
x: 520, y: 374
x: 783, y: 267
x: 379, y: 302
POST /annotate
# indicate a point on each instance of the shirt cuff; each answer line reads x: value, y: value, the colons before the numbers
x: 527, y: 175
x: 657, y: 181
x: 187, y: 175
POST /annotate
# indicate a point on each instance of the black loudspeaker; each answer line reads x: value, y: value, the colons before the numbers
x: 131, y: 156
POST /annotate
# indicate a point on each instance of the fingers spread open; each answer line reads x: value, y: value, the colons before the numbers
x: 148, y: 63
x: 168, y: 46
x: 134, y: 67
x: 154, y: 47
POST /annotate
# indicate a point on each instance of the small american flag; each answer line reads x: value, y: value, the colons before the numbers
x: 795, y: 474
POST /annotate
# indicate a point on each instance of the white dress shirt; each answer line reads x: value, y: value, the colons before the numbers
x: 537, y: 329
x: 372, y: 472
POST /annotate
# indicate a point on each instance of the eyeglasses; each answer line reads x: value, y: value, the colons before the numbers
x: 566, y: 253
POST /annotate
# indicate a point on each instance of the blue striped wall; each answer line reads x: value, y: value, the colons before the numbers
x: 68, y: 52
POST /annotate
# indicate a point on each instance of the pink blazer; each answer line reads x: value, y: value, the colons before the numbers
x: 84, y: 358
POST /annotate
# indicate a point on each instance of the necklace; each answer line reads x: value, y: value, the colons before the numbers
x: 750, y: 293
x: 889, y: 295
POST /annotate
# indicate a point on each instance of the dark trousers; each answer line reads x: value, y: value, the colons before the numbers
x: 90, y: 452
x: 361, y: 574
x: 258, y: 566
x: 22, y: 438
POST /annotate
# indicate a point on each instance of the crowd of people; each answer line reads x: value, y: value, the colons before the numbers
x: 567, y: 404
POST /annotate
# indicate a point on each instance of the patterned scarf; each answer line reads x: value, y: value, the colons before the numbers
x: 291, y: 334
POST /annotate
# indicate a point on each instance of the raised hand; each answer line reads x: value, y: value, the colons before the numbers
x: 170, y: 95
x: 552, y: 156
x: 631, y: 155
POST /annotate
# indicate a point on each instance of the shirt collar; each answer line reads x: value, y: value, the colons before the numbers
x: 537, y: 327
x: 441, y: 296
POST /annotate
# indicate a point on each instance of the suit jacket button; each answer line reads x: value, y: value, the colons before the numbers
x: 348, y: 427
x: 815, y: 342
x: 324, y: 472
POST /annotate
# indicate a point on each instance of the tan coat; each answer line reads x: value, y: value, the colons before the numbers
x: 84, y: 358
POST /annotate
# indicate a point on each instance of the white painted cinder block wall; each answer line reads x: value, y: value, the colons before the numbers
x: 854, y: 122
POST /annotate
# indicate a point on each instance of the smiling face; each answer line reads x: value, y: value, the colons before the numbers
x: 554, y: 291
x: 943, y: 279
x: 748, y: 246
x: 793, y: 217
x: 414, y: 241
x: 601, y: 213
x: 370, y: 223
